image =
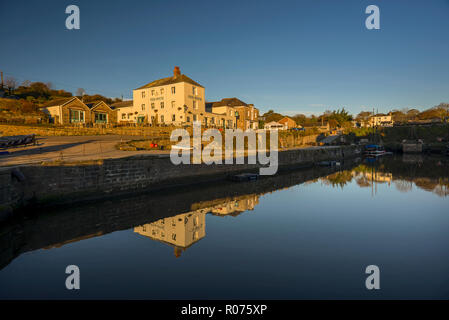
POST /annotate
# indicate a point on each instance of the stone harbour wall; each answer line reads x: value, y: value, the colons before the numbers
x: 30, y: 185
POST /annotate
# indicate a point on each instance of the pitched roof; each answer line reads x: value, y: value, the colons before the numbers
x: 122, y: 104
x: 57, y: 102
x: 230, y: 102
x: 170, y: 80
x: 94, y: 104
x: 285, y: 119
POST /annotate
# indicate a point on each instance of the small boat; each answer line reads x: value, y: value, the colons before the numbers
x: 374, y: 150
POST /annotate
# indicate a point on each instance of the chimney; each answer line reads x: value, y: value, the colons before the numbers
x: 2, y: 79
x: 176, y: 72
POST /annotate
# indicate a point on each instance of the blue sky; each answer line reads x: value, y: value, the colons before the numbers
x: 290, y: 56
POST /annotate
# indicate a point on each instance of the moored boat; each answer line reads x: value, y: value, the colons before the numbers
x: 375, y: 150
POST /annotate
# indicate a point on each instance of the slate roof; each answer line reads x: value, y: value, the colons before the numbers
x: 122, y: 104
x: 170, y: 80
x: 230, y: 102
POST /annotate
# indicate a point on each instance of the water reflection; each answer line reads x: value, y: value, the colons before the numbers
x: 178, y: 217
x: 403, y: 172
x: 183, y: 230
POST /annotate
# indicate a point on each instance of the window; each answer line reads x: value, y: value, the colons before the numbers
x: 172, y: 104
x: 162, y: 119
x: 152, y: 105
x: 143, y: 106
x: 173, y: 91
x: 123, y: 116
x: 173, y: 236
x: 162, y: 90
x: 152, y: 92
x: 173, y: 118
x: 194, y: 90
x: 143, y: 94
x: 76, y: 116
x: 195, y: 106
x: 188, y: 119
x: 162, y: 105
x: 100, y: 118
x: 129, y: 115
x: 194, y: 117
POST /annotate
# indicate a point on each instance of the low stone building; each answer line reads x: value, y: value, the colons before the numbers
x: 246, y: 115
x: 412, y: 146
x: 73, y: 111
x: 67, y: 111
x: 289, y: 123
x: 102, y: 113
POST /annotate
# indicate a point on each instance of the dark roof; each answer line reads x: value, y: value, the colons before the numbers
x: 170, y: 80
x: 122, y: 104
x: 230, y: 102
x: 93, y: 104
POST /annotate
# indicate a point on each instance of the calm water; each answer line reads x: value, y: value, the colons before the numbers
x: 303, y: 234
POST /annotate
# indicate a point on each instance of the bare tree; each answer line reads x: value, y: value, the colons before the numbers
x: 80, y: 92
x: 11, y: 84
x: 26, y: 83
x: 49, y: 85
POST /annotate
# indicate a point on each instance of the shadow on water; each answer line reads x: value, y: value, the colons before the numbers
x: 177, y: 216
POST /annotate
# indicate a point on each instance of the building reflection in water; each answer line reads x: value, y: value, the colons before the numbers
x: 429, y: 174
x: 183, y: 230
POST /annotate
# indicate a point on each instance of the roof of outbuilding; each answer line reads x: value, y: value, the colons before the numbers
x: 122, y: 104
x: 229, y: 102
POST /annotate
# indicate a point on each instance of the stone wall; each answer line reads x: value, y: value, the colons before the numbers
x: 57, y: 183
